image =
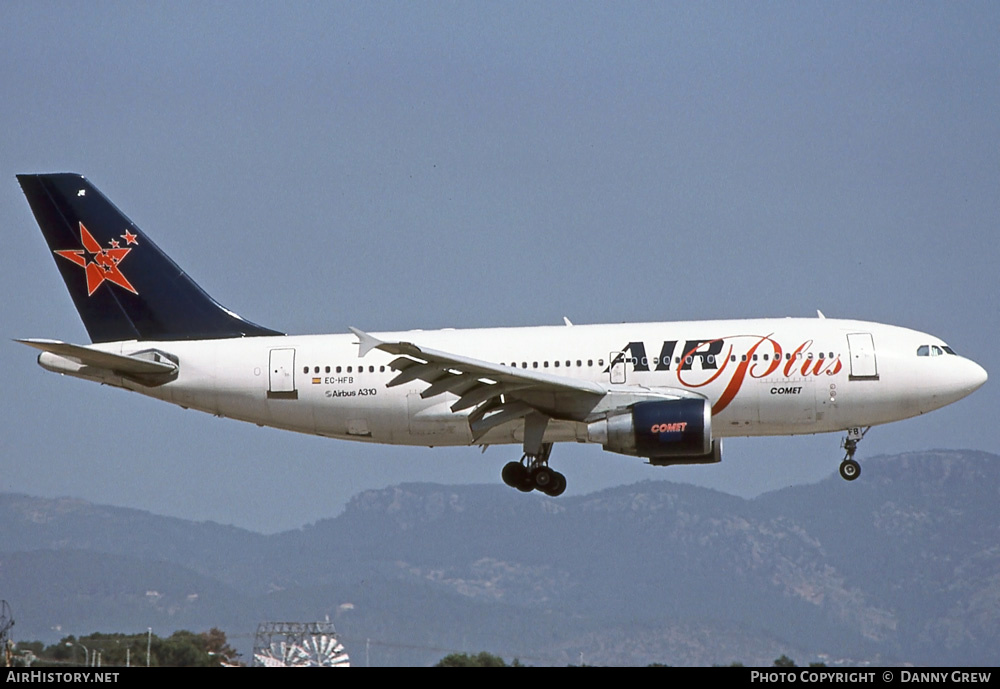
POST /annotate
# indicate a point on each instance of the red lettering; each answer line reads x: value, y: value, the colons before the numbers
x: 738, y: 370
x: 798, y: 352
x: 741, y: 371
x: 669, y: 427
x: 718, y: 372
x: 772, y: 365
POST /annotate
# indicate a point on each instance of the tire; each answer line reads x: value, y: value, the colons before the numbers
x: 543, y: 478
x: 558, y: 485
x: 513, y: 474
x: 849, y: 470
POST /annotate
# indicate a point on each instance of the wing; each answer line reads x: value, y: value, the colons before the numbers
x: 498, y: 394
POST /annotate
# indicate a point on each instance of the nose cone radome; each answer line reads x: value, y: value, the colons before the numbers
x: 973, y: 377
x: 947, y: 384
x: 962, y: 378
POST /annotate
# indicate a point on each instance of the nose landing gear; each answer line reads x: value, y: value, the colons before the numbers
x: 849, y: 468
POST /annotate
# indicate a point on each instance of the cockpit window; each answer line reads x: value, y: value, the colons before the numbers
x: 934, y: 350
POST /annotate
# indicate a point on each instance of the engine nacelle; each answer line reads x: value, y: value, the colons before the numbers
x: 713, y: 457
x: 665, y: 431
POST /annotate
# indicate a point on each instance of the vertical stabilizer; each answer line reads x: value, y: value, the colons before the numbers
x: 123, y: 285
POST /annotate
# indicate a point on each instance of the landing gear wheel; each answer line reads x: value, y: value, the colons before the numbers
x: 513, y: 474
x: 557, y: 487
x: 849, y: 469
x: 543, y: 478
x: 533, y: 472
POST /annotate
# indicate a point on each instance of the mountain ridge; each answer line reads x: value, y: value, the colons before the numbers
x: 901, y: 566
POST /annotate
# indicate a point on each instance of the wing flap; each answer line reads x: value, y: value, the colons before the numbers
x: 500, y: 415
x: 457, y: 383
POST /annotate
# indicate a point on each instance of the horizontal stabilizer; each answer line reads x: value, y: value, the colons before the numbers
x: 126, y: 365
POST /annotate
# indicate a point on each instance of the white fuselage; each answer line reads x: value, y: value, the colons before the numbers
x: 762, y: 377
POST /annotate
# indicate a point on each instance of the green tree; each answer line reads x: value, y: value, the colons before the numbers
x: 218, y: 647
x: 180, y: 649
x: 483, y: 659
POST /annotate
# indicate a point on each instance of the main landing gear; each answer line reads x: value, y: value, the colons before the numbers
x: 533, y: 473
x: 849, y: 468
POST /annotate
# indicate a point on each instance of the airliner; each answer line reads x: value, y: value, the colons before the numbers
x: 665, y: 392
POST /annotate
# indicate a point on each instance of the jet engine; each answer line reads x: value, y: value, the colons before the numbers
x: 664, y: 431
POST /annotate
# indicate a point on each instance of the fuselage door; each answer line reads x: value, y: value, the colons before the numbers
x: 863, y: 364
x: 616, y: 367
x: 282, y: 375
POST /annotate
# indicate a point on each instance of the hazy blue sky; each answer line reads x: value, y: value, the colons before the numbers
x: 424, y: 165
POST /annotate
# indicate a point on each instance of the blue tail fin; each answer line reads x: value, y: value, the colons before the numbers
x: 124, y: 287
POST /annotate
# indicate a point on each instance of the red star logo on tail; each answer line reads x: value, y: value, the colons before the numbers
x: 101, y: 264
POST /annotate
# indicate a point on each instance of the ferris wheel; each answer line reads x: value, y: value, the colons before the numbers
x: 298, y: 644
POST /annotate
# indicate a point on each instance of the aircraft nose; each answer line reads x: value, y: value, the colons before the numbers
x: 973, y: 377
x: 957, y: 380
